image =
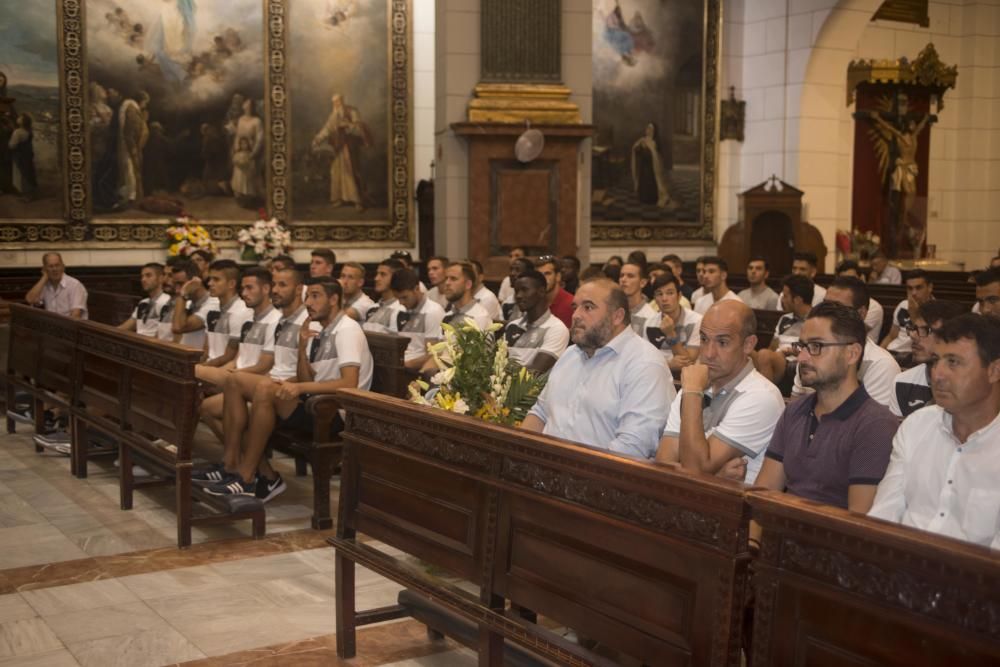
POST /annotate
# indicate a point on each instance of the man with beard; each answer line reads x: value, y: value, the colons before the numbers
x: 459, y: 279
x: 537, y: 338
x: 611, y: 389
x: 435, y: 275
x: 831, y: 446
x: 911, y: 389
x: 381, y: 318
x: 356, y: 302
x: 145, y: 319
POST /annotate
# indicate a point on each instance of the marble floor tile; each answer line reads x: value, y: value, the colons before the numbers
x: 187, y: 610
x: 34, y: 544
x: 234, y: 632
x: 78, y: 597
x: 25, y: 637
x: 322, y: 559
x: 312, y: 620
x: 15, y: 511
x: 462, y: 657
x: 173, y: 582
x: 51, y: 575
x: 265, y: 568
x: 311, y: 589
x: 121, y: 619
x: 14, y: 608
x: 151, y: 648
x: 59, y: 658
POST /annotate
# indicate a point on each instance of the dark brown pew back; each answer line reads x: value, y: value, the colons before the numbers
x: 110, y: 307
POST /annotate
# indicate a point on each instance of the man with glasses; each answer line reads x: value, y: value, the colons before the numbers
x: 919, y: 290
x: 831, y: 446
x: 911, y: 390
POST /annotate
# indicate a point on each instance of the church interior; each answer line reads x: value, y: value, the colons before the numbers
x: 452, y: 332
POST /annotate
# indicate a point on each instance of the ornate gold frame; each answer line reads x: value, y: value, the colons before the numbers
x: 80, y: 230
x: 609, y: 233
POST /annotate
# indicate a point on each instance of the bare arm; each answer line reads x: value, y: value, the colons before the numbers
x: 231, y: 351
x: 541, y: 363
x: 127, y: 325
x: 303, y: 370
x: 891, y: 336
x: 262, y: 366
x: 348, y: 380
x: 533, y: 423
x: 34, y: 295
x: 76, y: 313
x: 860, y: 497
x: 771, y: 476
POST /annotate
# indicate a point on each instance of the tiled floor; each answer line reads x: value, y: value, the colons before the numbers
x: 84, y: 583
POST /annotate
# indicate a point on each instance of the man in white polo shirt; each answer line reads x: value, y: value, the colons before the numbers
x: 189, y: 309
x: 714, y: 281
x: 357, y: 304
x: 537, y: 338
x: 420, y: 319
x: 725, y: 410
x: 145, y: 319
x: 777, y: 363
x: 381, y: 318
x: 678, y: 336
x: 459, y: 279
x: 633, y: 279
x: 223, y: 326
x: 481, y: 293
x: 945, y: 462
x: 435, y: 275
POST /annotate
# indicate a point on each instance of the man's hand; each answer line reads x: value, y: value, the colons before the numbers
x: 189, y: 287
x: 306, y: 332
x: 735, y: 469
x: 287, y: 391
x: 667, y: 326
x: 694, y: 377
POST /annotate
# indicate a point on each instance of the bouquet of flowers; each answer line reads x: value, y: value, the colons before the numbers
x: 857, y: 244
x: 264, y: 239
x: 186, y: 235
x: 477, y: 377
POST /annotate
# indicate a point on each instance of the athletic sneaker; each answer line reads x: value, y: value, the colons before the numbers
x: 52, y: 439
x: 269, y: 488
x: 22, y: 415
x: 235, y: 487
x: 213, y: 473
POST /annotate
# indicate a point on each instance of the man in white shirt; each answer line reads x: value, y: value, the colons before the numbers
x: 714, y: 274
x: 356, y: 302
x: 611, y: 389
x: 699, y: 272
x: 484, y: 296
x: 145, y: 318
x: 381, y: 318
x: 777, y: 363
x: 875, y: 315
x: 508, y: 304
x: 725, y: 410
x: 224, y: 325
x: 337, y: 357
x: 190, y: 308
x: 57, y: 292
x: 537, y: 338
x: 945, y: 462
x: 633, y: 280
x: 879, y: 369
x: 459, y: 278
x: 420, y: 321
x: 759, y: 296
x: 919, y: 290
x: 322, y: 262
x: 806, y: 264
x: 506, y: 291
x: 678, y: 337
x: 435, y: 274
x: 882, y: 273
x: 911, y: 390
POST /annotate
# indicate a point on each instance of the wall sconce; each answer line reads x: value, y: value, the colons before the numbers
x: 732, y: 117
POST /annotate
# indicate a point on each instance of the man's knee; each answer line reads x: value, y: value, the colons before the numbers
x: 264, y: 392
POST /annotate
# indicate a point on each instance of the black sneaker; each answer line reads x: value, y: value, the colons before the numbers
x: 269, y: 488
x: 211, y: 474
x: 235, y: 487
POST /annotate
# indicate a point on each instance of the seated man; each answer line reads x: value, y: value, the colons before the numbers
x: 406, y: 259
x: 190, y: 308
x: 481, y: 293
x: 537, y: 338
x: 337, y: 357
x: 725, y: 410
x: 381, y: 318
x: 943, y: 472
x: 322, y: 262
x: 911, y: 389
x: 560, y: 301
x: 988, y: 292
x: 223, y: 326
x: 611, y: 389
x: 281, y: 263
x: 759, y: 296
x: 878, y: 368
x: 508, y: 305
x: 435, y: 275
x: 255, y: 346
x: 777, y: 363
x: 633, y: 280
x: 919, y: 290
x: 571, y: 272
x: 677, y: 266
x: 420, y: 321
x: 806, y: 264
x: 715, y: 271
x: 882, y: 272
x: 57, y: 292
x: 833, y: 445
x: 876, y: 314
x: 506, y: 292
x: 145, y: 319
x: 357, y: 304
x: 459, y: 279
x: 678, y: 337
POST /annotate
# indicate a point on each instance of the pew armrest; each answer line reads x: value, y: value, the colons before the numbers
x: 324, y: 410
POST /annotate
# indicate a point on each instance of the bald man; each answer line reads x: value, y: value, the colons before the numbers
x: 611, y: 389
x: 726, y: 410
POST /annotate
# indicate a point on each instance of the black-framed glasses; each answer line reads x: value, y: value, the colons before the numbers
x: 815, y: 347
x: 923, y: 331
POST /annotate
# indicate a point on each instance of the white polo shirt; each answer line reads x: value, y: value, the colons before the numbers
x: 878, y: 374
x: 165, y: 325
x: 256, y: 337
x: 788, y: 330
x: 434, y: 294
x: 911, y: 391
x: 472, y: 310
x: 362, y: 303
x: 340, y: 344
x: 421, y: 326
x: 644, y: 316
x: 901, y: 318
x: 224, y: 324
x: 873, y: 319
x: 819, y: 295
x: 202, y: 310
x: 687, y: 328
x: 489, y: 301
x: 381, y: 317
x: 526, y: 340
x: 938, y: 484
x: 286, y: 345
x: 742, y: 414
x: 147, y: 315
x: 702, y: 305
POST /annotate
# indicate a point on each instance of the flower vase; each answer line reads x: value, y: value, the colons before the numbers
x: 248, y: 254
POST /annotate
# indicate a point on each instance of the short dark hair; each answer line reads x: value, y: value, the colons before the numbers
x: 204, y: 254
x: 590, y: 273
x: 636, y: 257
x: 574, y: 260
x: 404, y: 279
x: 330, y: 286
x: 549, y: 259
x: 666, y: 279
x: 988, y: 277
x: 916, y: 274
x: 845, y: 323
x: 612, y: 272
x: 262, y: 275
x: 672, y: 258
x: 984, y: 330
x: 186, y: 266
x: 717, y: 261
x: 643, y: 271
x: 658, y: 266
x: 287, y: 260
x: 525, y: 263
x: 155, y: 266
x: 227, y: 266
x: 393, y: 264
x: 467, y: 270
x: 534, y: 276
x: 295, y: 273
x: 859, y: 291
x: 939, y: 310
x: 327, y: 255
x: 759, y: 258
x: 441, y: 258
x: 805, y: 256
x: 848, y: 265
x: 799, y: 286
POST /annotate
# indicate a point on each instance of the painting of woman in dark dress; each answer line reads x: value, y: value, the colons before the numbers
x: 22, y: 153
x: 648, y: 178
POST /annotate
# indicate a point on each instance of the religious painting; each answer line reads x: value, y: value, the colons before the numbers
x: 31, y: 180
x: 176, y: 109
x: 654, y: 78
x: 350, y: 115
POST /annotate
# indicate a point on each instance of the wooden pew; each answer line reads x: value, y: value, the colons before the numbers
x: 767, y: 321
x: 110, y: 307
x: 643, y: 559
x: 143, y: 394
x: 321, y: 448
x: 834, y: 588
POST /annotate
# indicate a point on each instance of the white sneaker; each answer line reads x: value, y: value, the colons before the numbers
x: 137, y: 471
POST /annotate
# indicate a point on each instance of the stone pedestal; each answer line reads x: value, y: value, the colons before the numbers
x: 510, y: 203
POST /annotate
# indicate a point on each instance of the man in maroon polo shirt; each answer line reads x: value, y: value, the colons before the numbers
x: 831, y: 446
x: 560, y: 301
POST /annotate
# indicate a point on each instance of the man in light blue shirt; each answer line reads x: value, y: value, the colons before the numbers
x: 611, y: 389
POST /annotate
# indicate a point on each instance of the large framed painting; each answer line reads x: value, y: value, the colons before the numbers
x: 655, y: 66
x: 31, y: 174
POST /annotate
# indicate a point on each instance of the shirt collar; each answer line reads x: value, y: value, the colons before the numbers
x: 258, y: 318
x: 846, y: 409
x: 225, y: 307
x: 333, y: 325
x: 537, y: 323
x: 295, y: 314
x: 946, y: 426
x: 729, y: 386
x: 618, y: 343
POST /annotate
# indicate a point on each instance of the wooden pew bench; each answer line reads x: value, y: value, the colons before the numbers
x: 645, y: 560
x: 321, y: 448
x: 110, y: 307
x: 767, y: 321
x: 834, y: 588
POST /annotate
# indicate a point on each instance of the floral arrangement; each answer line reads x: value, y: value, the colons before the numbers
x: 186, y: 235
x: 857, y: 244
x: 264, y: 239
x: 477, y: 377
